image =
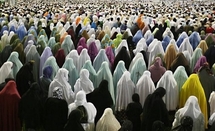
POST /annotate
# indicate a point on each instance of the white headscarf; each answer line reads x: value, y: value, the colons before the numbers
x: 155, y: 50
x: 145, y: 86
x: 84, y: 56
x: 123, y: 43
x: 84, y: 83
x: 75, y: 57
x: 108, y: 122
x: 212, y: 102
x: 80, y: 100
x: 167, y: 81
x: 125, y: 90
x: 141, y: 45
x: 185, y: 45
x: 61, y: 80
x: 5, y: 70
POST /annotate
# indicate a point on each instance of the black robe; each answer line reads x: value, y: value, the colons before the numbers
x: 207, y: 82
x: 154, y: 109
x: 30, y: 107
x: 133, y: 113
x: 210, y: 55
x: 101, y: 99
x: 124, y: 56
x: 5, y: 54
x: 73, y: 123
x: 24, y: 78
x: 55, y: 114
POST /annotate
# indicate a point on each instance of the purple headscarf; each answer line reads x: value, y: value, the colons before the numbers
x: 110, y: 55
x: 93, y: 51
x: 44, y: 56
x: 201, y: 61
x: 82, y: 42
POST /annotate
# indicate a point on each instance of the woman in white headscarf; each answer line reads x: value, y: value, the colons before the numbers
x: 61, y: 80
x: 84, y: 83
x: 154, y: 49
x: 108, y: 122
x: 125, y: 90
x: 145, y: 86
x: 5, y: 70
x: 80, y: 100
x: 141, y: 45
x: 82, y: 59
x: 191, y: 109
x: 167, y: 81
x: 75, y: 57
x: 185, y: 45
x: 212, y: 102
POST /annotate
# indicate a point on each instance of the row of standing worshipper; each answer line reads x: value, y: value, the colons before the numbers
x: 56, y: 109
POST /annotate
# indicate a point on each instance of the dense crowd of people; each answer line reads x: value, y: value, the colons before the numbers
x: 107, y: 66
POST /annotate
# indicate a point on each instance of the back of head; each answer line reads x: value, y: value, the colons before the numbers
x: 186, y: 124
x: 135, y: 97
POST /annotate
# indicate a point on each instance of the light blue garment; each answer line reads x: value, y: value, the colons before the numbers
x: 180, y: 76
x: 165, y: 42
x: 14, y: 58
x: 194, y: 39
x: 100, y: 58
x: 4, y: 28
x: 44, y: 56
x: 21, y: 32
x: 181, y: 38
x: 137, y: 70
x: 118, y: 72
x: 195, y: 57
x: 137, y: 36
x: 104, y: 73
x: 32, y: 54
x: 51, y: 42
x: 93, y: 75
x: 73, y: 73
x: 12, y: 28
x: 67, y: 45
x: 51, y: 61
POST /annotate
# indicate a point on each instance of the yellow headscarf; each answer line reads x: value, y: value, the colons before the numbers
x: 193, y: 87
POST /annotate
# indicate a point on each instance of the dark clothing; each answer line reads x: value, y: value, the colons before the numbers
x: 30, y: 107
x: 124, y: 56
x: 55, y: 114
x: 210, y: 55
x: 180, y: 60
x: 154, y: 109
x: 101, y: 99
x: 24, y: 78
x: 133, y: 112
x: 73, y: 123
